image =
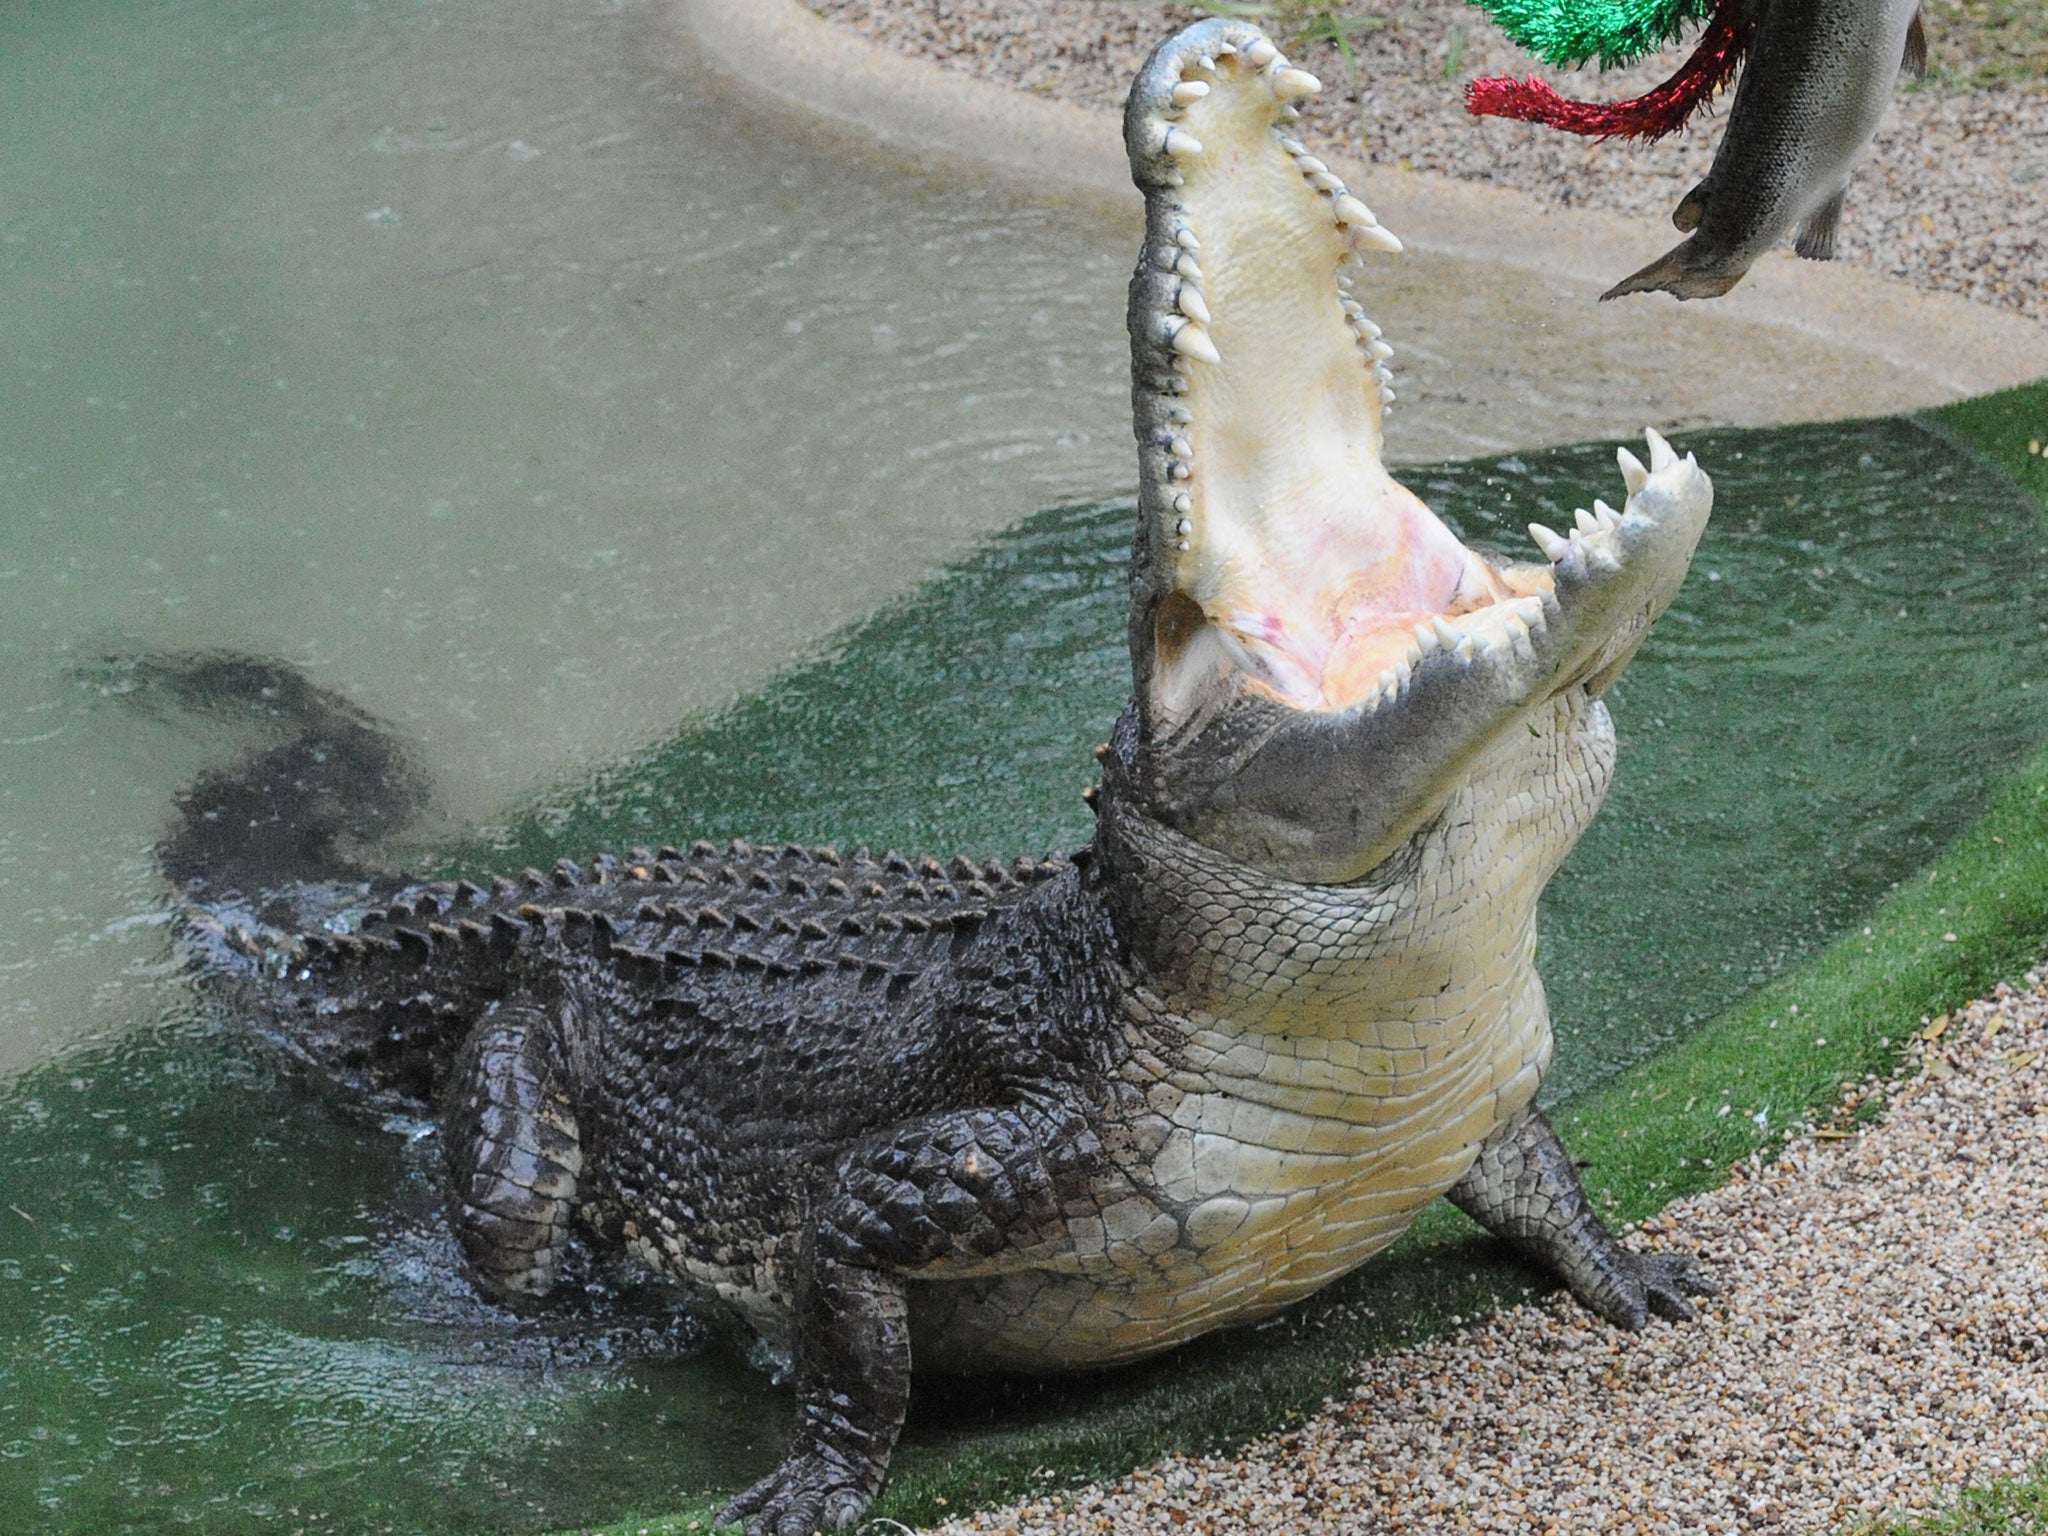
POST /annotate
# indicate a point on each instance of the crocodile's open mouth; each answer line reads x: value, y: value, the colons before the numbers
x: 1280, y: 541
x: 1318, y: 660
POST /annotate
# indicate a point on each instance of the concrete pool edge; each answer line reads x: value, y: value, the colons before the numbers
x: 1974, y: 915
x: 1941, y: 347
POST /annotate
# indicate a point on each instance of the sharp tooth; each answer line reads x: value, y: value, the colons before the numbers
x: 1188, y: 92
x: 1585, y: 521
x: 1350, y: 210
x: 1446, y: 632
x: 1530, y: 611
x: 1185, y: 265
x: 1467, y: 647
x: 1426, y: 641
x: 1185, y: 239
x: 1633, y: 474
x: 1346, y: 281
x: 1379, y: 349
x: 1179, y: 414
x: 1372, y: 331
x: 1192, y: 341
x: 1180, y: 448
x: 1325, y: 181
x: 1402, y: 672
x: 1294, y: 146
x: 1351, y: 307
x: 1661, y: 456
x: 1181, y: 144
x: 1191, y: 304
x: 1383, y: 373
x: 1609, y: 518
x: 1293, y: 84
x: 1553, y: 544
x: 1183, y: 528
x: 1309, y: 165
x: 1386, y: 395
x: 1183, y: 503
x: 1378, y: 238
x: 1261, y: 53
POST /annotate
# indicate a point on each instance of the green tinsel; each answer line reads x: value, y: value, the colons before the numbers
x: 1569, y: 32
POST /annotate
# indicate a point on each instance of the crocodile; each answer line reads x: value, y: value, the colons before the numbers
x: 1054, y: 1114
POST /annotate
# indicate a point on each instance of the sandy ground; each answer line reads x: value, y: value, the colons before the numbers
x: 1953, y: 195
x: 1881, y: 1341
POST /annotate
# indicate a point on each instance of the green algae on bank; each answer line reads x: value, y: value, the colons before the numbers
x: 1863, y: 996
x: 2015, y: 1506
x: 1653, y: 1132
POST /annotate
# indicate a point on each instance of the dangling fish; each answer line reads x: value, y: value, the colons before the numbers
x: 1818, y: 77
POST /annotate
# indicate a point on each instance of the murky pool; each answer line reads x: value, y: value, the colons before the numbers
x: 603, y: 444
x: 483, y: 356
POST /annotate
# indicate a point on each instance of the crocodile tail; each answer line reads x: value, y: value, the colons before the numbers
x: 320, y: 783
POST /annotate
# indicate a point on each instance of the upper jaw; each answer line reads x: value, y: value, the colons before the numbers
x: 1291, y: 599
x: 1261, y: 385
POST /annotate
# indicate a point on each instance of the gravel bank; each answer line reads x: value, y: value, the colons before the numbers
x: 1953, y: 195
x: 1881, y: 1341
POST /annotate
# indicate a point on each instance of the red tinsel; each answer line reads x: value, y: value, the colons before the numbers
x: 1649, y: 116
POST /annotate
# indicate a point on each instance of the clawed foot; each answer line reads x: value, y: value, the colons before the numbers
x: 1645, y: 1283
x: 809, y: 1492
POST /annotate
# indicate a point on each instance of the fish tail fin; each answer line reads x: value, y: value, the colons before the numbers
x: 1674, y: 273
x: 321, y: 782
x: 1816, y: 241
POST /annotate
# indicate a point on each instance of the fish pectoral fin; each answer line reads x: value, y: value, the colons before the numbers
x: 1691, y: 208
x: 1816, y: 240
x: 1915, y: 61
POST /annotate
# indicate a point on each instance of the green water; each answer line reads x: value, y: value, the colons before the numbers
x: 1855, y: 659
x: 237, y: 1308
x: 231, y: 1302
x: 484, y: 360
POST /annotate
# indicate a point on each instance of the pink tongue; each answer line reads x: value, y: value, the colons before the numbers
x: 1325, y: 618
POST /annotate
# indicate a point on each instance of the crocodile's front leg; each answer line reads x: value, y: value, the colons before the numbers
x: 1523, y: 1188
x: 969, y: 1193
x: 513, y: 1150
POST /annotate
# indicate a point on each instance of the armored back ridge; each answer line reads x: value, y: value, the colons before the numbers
x: 895, y: 1112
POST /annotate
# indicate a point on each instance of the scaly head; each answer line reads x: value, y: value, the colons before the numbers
x: 1316, y: 653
